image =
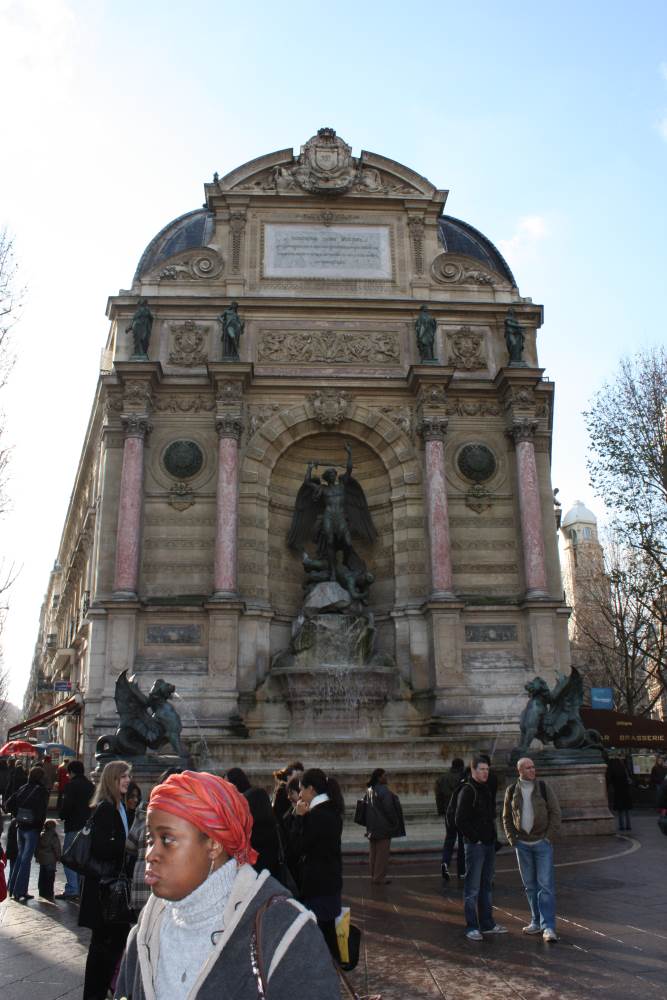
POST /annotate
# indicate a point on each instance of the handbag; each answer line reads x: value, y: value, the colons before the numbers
x: 360, y: 812
x: 79, y: 856
x: 114, y: 894
x: 25, y: 817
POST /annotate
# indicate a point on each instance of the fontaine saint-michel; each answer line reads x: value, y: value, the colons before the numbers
x: 315, y: 492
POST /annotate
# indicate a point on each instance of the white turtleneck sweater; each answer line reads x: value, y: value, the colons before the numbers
x: 185, y: 934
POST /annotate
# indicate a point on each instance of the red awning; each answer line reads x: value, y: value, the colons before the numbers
x: 630, y: 731
x: 67, y: 707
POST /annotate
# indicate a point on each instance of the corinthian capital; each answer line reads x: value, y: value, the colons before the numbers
x: 136, y: 424
x: 229, y: 425
x: 523, y: 430
x: 433, y: 428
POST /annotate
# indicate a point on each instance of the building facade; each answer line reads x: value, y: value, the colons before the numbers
x: 174, y: 562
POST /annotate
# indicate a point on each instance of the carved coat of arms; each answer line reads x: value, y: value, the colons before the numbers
x: 330, y: 406
x: 188, y: 347
x: 326, y: 164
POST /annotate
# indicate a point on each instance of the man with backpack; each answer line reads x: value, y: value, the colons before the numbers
x: 446, y: 794
x: 531, y: 817
x: 475, y: 819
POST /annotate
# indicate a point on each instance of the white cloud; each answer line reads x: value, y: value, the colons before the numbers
x: 662, y: 127
x: 530, y: 231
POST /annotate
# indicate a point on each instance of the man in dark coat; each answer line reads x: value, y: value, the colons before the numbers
x: 74, y: 810
x: 475, y: 819
x: 445, y: 786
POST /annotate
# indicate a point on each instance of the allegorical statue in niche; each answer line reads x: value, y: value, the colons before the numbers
x: 425, y: 327
x: 330, y: 512
x: 232, y: 331
x: 144, y: 720
x: 553, y: 716
x: 515, y: 340
x: 140, y: 327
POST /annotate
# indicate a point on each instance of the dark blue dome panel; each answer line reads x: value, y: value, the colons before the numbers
x: 194, y: 229
x: 459, y: 237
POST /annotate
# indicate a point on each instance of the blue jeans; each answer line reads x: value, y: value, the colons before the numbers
x: 72, y: 885
x: 536, y: 864
x: 477, y: 885
x: 20, y: 876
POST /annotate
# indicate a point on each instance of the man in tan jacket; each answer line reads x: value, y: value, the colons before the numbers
x: 531, y: 817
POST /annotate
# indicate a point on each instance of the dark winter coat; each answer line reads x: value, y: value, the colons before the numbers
x: 107, y: 844
x: 384, y: 816
x: 316, y: 843
x: 33, y: 796
x: 17, y: 778
x: 74, y: 809
x: 288, y: 933
x: 620, y: 784
x: 49, y: 848
x: 475, y: 813
x: 444, y: 789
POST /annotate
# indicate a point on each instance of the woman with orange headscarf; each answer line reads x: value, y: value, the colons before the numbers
x: 214, y: 926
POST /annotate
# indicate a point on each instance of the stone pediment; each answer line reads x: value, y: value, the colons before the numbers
x: 325, y: 166
x: 458, y: 269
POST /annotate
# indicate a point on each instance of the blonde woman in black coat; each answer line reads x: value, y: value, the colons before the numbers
x: 110, y: 829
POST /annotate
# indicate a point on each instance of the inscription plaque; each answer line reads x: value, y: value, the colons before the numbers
x: 167, y: 635
x: 303, y: 251
x: 491, y: 633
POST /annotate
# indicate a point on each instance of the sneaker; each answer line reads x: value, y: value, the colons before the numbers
x: 532, y: 929
x: 65, y: 895
x: 444, y: 871
x: 24, y: 899
x: 549, y: 935
x: 496, y: 929
x: 474, y: 935
x: 461, y: 876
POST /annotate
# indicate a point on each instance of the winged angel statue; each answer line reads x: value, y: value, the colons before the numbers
x: 145, y: 720
x: 553, y: 716
x: 330, y: 511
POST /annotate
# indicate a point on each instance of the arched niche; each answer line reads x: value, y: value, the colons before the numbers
x: 286, y: 575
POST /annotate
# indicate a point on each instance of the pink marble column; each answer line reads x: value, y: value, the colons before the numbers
x: 433, y: 430
x: 227, y: 500
x: 130, y: 508
x: 530, y: 509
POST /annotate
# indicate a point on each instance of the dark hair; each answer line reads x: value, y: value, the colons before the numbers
x: 239, y: 779
x: 457, y: 764
x: 75, y: 767
x: 477, y: 759
x: 293, y: 785
x: 4, y: 766
x: 317, y: 779
x: 36, y: 775
x: 133, y: 787
x: 484, y: 758
x: 168, y: 773
x: 375, y: 777
x: 282, y: 774
x: 296, y: 765
x: 260, y: 805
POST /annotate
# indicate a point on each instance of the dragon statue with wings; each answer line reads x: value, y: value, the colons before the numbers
x: 330, y: 511
x: 553, y: 716
x: 144, y: 720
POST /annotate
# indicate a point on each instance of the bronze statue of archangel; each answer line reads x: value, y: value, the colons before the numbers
x: 330, y: 511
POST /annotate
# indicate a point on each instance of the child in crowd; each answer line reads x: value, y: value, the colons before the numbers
x: 48, y: 855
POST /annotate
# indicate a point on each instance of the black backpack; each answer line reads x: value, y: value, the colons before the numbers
x: 450, y: 815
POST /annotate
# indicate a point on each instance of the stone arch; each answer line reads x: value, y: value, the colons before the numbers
x: 396, y: 453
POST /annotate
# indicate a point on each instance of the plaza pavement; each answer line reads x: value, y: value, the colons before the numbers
x: 612, y: 927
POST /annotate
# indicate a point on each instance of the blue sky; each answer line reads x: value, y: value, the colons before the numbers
x: 547, y: 123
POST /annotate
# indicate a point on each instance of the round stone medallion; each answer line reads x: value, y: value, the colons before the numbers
x: 476, y: 462
x: 183, y: 459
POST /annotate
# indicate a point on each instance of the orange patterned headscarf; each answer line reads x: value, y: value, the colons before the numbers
x: 211, y: 804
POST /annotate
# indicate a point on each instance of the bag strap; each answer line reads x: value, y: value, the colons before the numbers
x: 256, y: 958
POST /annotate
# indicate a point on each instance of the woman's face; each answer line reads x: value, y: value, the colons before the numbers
x: 132, y: 800
x: 123, y: 783
x: 307, y: 794
x: 178, y: 855
x: 293, y: 795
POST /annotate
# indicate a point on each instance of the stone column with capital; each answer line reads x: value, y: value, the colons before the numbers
x: 522, y: 432
x: 130, y: 506
x: 433, y: 430
x: 229, y: 427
